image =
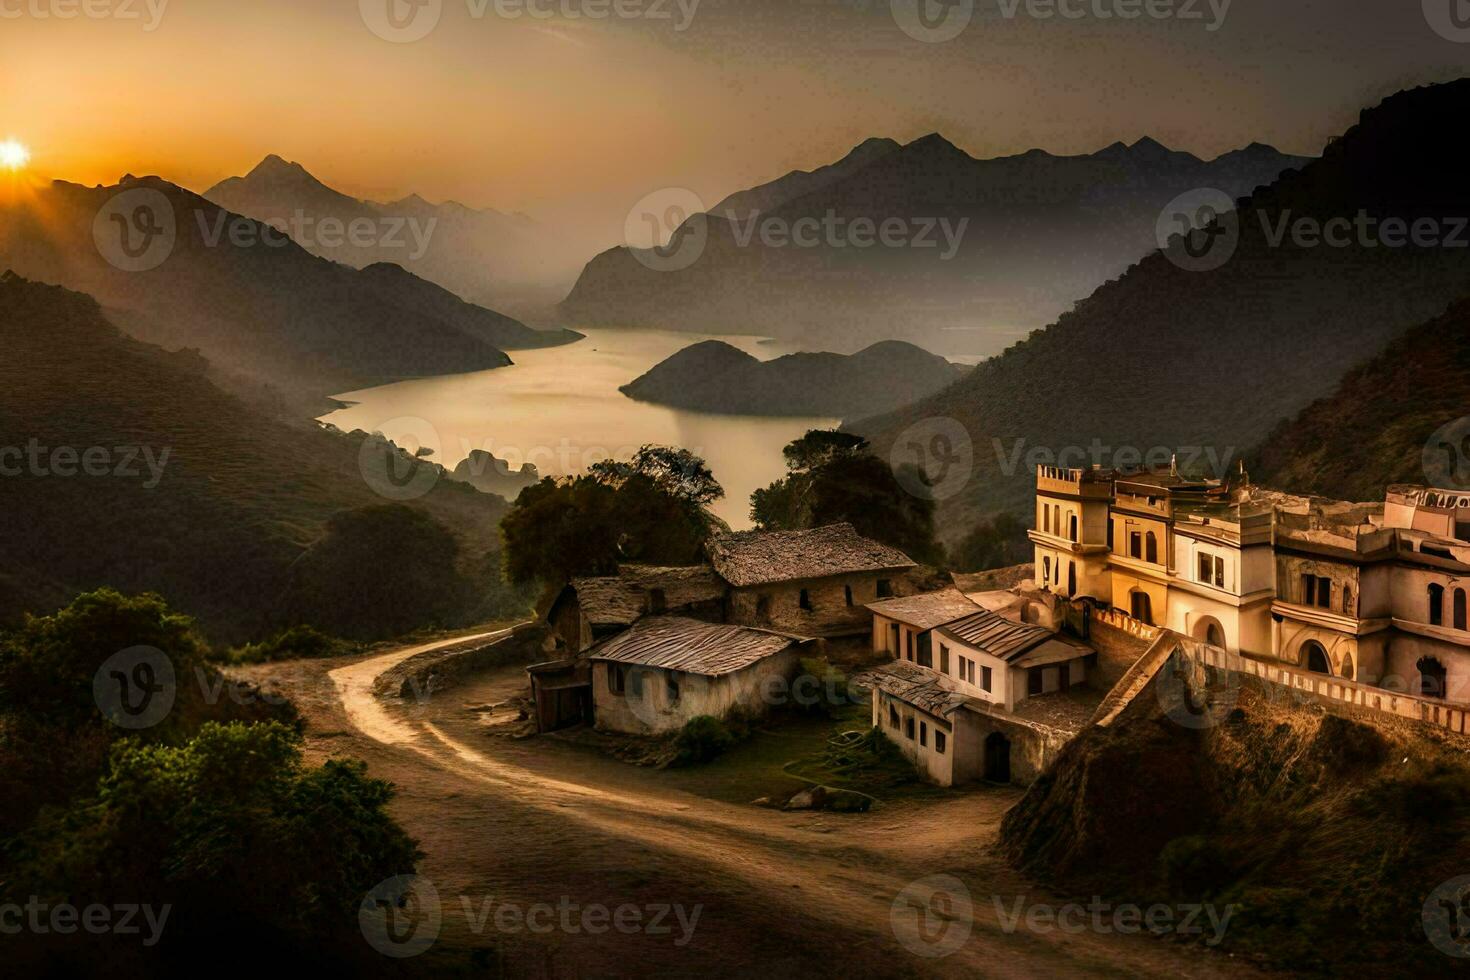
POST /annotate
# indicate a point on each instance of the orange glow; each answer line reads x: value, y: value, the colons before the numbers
x: 14, y: 155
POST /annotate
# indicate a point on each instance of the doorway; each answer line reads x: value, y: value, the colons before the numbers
x: 997, y: 758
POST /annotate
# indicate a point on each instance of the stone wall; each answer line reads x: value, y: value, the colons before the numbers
x: 778, y: 607
x: 1117, y: 650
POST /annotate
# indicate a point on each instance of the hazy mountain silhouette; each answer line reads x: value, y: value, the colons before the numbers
x: 1169, y: 357
x: 235, y: 499
x: 1028, y: 235
x: 714, y: 377
x: 256, y: 303
x: 484, y: 256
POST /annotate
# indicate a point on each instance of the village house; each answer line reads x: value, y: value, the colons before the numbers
x: 813, y: 583
x: 593, y: 608
x: 663, y: 671
x: 902, y: 626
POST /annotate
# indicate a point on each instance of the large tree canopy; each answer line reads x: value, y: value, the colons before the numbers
x: 651, y: 509
x: 834, y: 477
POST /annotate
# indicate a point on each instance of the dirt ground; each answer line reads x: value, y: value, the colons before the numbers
x: 516, y: 822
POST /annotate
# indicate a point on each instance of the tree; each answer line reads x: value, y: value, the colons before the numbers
x: 834, y: 477
x: 230, y: 829
x: 997, y: 543
x: 651, y: 509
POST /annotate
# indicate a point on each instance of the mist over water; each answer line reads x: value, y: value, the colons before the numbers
x: 560, y: 409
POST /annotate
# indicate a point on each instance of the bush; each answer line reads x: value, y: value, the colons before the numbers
x: 703, y: 738
x: 295, y: 643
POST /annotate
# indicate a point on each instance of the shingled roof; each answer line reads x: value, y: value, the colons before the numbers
x: 747, y: 558
x: 924, y: 689
x: 692, y: 646
x: 926, y: 611
x: 617, y: 600
x: 996, y: 636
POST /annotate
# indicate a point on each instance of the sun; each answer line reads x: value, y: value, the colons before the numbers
x: 14, y: 155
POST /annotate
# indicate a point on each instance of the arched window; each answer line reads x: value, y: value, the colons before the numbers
x: 1436, y: 605
x: 1214, y: 635
x: 1459, y: 609
x: 1152, y: 548
x: 1314, y: 658
x: 1072, y: 527
x: 1141, y: 607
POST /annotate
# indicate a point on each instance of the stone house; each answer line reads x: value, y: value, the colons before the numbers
x: 654, y: 677
x: 903, y: 626
x: 814, y: 582
x: 593, y: 608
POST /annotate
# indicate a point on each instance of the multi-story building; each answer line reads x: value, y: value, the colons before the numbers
x: 1072, y: 533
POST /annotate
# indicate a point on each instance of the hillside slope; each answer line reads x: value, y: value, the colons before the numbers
x: 973, y: 252
x: 713, y: 376
x: 1373, y: 429
x: 1297, y: 820
x: 1169, y: 356
x: 148, y: 477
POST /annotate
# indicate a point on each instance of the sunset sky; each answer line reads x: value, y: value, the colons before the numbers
x: 575, y: 119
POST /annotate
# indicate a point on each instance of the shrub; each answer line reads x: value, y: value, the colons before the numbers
x: 295, y: 643
x: 703, y: 738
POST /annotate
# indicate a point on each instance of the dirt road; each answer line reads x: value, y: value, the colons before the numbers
x: 534, y: 846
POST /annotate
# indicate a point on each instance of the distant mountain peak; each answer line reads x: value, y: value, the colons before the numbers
x: 275, y: 166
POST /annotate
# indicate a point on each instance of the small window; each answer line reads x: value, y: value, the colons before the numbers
x: 1046, y: 569
x: 805, y: 601
x: 885, y: 589
x: 1309, y: 590
x: 1206, y: 568
x: 985, y: 679
x: 847, y: 593
x: 763, y: 609
x: 1324, y: 592
x: 1220, y: 572
x: 1153, y: 549
x: 892, y: 716
x: 908, y: 728
x: 1459, y: 609
x: 1436, y: 605
x: 671, y: 686
x: 1135, y: 544
x: 923, y: 734
x: 910, y: 635
x: 926, y: 655
x: 658, y: 602
x: 1072, y: 527
x: 939, y: 741
x: 1034, y: 681
x: 617, y: 678
x: 1046, y: 518
x: 943, y: 659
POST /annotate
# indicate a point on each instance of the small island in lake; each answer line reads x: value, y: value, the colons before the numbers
x: 715, y: 377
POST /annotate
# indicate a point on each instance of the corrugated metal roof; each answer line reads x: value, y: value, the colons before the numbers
x: 926, y: 611
x: 998, y: 637
x: 676, y: 643
x: 748, y: 558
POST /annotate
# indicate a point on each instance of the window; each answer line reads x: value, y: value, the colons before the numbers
x: 805, y: 600
x: 1034, y: 681
x: 1324, y: 592
x: 1135, y: 544
x: 892, y: 716
x: 985, y: 679
x: 1046, y: 569
x: 885, y: 589
x: 617, y: 678
x: 943, y: 659
x: 658, y: 602
x: 926, y: 655
x: 939, y: 741
x: 1046, y: 518
x: 1206, y: 568
x: 763, y: 609
x: 1072, y: 527
x: 908, y: 728
x: 671, y: 686
x: 1153, y: 548
x: 1436, y: 605
x: 1459, y: 609
x: 923, y: 734
x: 847, y: 593
x: 910, y: 654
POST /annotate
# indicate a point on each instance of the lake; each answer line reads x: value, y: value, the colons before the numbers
x: 560, y: 409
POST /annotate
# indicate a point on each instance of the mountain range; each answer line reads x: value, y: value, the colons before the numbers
x: 507, y: 261
x: 976, y: 252
x: 713, y: 376
x: 1207, y: 360
x: 253, y: 301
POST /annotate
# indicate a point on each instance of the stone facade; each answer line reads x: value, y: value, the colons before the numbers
x: 816, y: 607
